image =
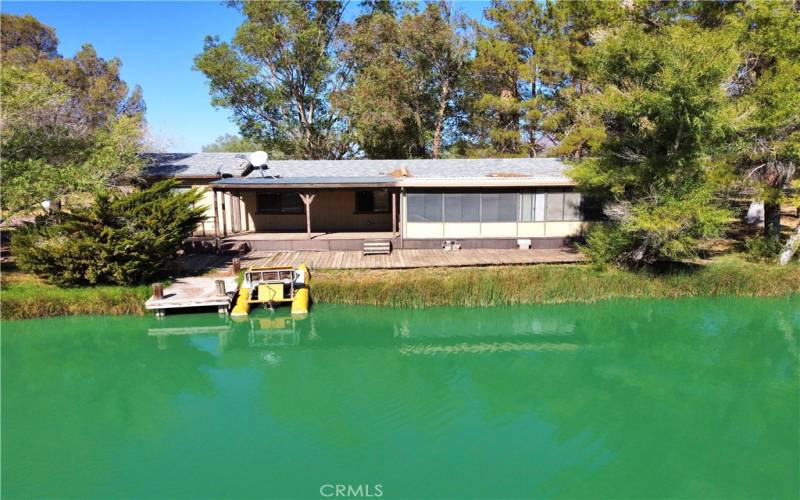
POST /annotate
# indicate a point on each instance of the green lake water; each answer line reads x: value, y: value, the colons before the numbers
x: 672, y: 398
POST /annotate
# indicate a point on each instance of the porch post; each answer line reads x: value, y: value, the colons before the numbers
x: 307, y: 199
x: 394, y: 213
x: 236, y: 213
x: 403, y: 211
x: 224, y: 223
x: 243, y: 208
x: 216, y: 214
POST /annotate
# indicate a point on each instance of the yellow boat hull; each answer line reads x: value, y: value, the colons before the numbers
x: 300, y: 302
x: 242, y: 306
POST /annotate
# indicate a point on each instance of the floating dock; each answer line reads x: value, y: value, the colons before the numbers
x: 194, y: 292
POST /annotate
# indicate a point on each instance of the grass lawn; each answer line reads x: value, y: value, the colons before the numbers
x: 25, y: 296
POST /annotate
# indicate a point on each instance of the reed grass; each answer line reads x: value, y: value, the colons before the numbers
x: 23, y: 296
x: 545, y: 284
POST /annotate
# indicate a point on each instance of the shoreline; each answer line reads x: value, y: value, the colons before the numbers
x: 25, y: 297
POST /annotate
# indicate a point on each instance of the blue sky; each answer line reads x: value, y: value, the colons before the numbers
x: 157, y: 42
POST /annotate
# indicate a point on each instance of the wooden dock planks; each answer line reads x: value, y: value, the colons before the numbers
x: 408, y: 259
x: 192, y: 292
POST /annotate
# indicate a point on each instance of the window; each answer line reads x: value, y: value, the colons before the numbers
x: 462, y: 207
x: 542, y: 204
x: 572, y: 206
x: 527, y: 206
x: 499, y: 207
x: 279, y: 203
x: 562, y: 206
x: 425, y: 207
x: 554, y: 207
x: 372, y: 202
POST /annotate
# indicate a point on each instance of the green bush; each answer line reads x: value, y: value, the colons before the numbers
x: 763, y: 249
x: 121, y: 239
x: 605, y: 242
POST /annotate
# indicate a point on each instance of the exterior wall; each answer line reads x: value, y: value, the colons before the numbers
x: 496, y: 231
x: 495, y: 243
x: 206, y: 228
x: 456, y: 230
x: 333, y: 211
x: 330, y: 211
x: 233, y: 222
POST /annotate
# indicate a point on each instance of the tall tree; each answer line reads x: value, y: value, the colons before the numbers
x: 229, y: 143
x: 69, y: 125
x: 528, y: 73
x: 766, y: 98
x: 407, y: 67
x: 277, y: 74
x: 662, y: 107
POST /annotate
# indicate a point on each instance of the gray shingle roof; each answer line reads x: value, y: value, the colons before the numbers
x: 529, y: 167
x: 195, y: 164
x: 235, y: 164
x: 257, y: 179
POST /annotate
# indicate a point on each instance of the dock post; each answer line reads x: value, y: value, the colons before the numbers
x: 222, y: 309
x: 237, y: 265
x: 158, y: 294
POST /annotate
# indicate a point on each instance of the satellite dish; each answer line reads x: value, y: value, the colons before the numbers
x: 258, y: 158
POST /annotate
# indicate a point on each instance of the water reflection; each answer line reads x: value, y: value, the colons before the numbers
x: 685, y: 398
x: 445, y: 331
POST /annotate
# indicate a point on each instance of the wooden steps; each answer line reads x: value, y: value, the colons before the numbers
x: 377, y: 247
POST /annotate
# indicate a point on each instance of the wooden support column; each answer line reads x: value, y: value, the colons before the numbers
x: 224, y: 222
x: 236, y: 213
x: 394, y: 213
x: 403, y: 207
x: 307, y: 199
x: 216, y: 215
x: 246, y: 214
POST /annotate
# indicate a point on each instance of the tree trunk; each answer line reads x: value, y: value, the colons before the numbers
x: 420, y: 142
x: 772, y: 219
x: 437, y: 133
x: 790, y: 248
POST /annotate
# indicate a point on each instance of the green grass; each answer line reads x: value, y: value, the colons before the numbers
x: 24, y: 296
x: 494, y: 286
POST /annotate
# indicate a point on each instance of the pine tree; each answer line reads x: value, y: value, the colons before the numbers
x: 663, y: 108
x: 120, y: 238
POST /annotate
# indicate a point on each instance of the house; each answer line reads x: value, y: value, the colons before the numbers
x: 337, y: 204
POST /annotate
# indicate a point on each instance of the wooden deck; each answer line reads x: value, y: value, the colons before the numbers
x: 192, y: 292
x: 407, y: 259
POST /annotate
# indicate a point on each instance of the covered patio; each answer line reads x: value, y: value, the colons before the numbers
x: 320, y: 213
